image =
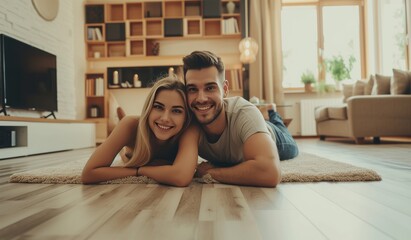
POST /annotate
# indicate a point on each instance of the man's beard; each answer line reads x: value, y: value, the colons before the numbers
x: 207, y: 122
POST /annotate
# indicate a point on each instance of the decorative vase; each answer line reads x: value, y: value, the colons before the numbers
x: 230, y: 7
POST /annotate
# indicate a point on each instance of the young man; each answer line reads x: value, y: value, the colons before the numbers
x: 238, y: 144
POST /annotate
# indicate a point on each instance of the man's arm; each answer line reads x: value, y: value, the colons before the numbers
x: 261, y: 167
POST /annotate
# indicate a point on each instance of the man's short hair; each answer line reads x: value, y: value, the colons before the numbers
x: 198, y: 60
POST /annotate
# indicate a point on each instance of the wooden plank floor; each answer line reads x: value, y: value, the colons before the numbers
x: 360, y: 210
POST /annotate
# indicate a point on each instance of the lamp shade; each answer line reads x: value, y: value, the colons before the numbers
x: 248, y: 43
x: 248, y: 56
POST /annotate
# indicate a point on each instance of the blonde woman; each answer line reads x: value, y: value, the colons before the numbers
x: 162, y: 144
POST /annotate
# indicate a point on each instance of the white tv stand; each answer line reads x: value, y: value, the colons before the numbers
x: 34, y: 136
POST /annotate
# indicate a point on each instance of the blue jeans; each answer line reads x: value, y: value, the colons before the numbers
x: 287, y: 147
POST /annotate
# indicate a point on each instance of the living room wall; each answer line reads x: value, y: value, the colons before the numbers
x: 19, y: 19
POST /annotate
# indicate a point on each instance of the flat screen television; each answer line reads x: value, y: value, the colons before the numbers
x: 28, y: 76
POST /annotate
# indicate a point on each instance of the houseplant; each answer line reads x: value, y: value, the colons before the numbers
x: 338, y: 69
x: 308, y: 79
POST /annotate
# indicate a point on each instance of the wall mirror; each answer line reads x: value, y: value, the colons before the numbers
x: 47, y: 9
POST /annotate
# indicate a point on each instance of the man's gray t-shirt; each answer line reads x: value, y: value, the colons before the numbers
x: 243, y: 120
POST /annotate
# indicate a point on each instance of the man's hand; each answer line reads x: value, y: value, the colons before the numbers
x: 202, y: 169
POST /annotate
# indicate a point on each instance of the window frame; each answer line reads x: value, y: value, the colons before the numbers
x: 320, y: 4
x: 376, y: 11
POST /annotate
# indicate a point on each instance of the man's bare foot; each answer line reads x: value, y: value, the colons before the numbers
x: 272, y: 106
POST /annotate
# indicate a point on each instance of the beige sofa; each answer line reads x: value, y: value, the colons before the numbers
x: 366, y: 116
x: 377, y: 107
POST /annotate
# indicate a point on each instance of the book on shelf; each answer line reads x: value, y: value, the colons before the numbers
x: 229, y: 26
x: 98, y: 34
x: 94, y: 87
x: 233, y: 76
x: 99, y: 86
x: 90, y: 33
x: 94, y: 33
x: 90, y: 87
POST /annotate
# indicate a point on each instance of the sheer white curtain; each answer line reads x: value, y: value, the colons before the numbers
x: 266, y: 71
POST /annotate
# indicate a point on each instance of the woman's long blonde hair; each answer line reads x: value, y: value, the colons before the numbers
x: 142, y: 149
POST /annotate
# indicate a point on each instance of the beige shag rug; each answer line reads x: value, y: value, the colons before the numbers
x: 304, y: 168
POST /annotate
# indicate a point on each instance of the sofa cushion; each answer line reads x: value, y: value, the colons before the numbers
x: 400, y: 82
x: 347, y: 91
x: 381, y: 84
x: 338, y: 112
x: 359, y: 87
x: 369, y: 86
x: 321, y: 114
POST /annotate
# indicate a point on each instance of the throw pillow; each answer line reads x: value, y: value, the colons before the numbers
x: 381, y: 84
x: 347, y: 90
x: 369, y: 86
x: 359, y: 88
x: 401, y: 82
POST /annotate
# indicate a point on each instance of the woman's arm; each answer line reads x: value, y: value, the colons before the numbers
x: 182, y: 171
x: 98, y: 167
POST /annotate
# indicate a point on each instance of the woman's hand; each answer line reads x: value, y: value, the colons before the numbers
x: 179, y: 173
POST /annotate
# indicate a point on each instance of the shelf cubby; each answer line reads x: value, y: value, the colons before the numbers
x: 212, y: 27
x: 116, y: 49
x: 97, y: 102
x: 96, y: 47
x: 95, y: 91
x: 153, y: 10
x: 173, y: 27
x: 135, y: 29
x: 115, y: 32
x: 193, y: 27
x: 148, y: 75
x: 211, y: 9
x: 94, y: 13
x: 192, y: 8
x: 136, y: 47
x: 154, y: 28
x: 115, y: 12
x: 233, y: 27
x: 173, y: 9
x: 149, y: 47
x: 134, y: 11
x: 95, y: 32
x: 17, y: 133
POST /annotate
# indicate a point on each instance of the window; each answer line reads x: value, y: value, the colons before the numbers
x: 299, y: 43
x: 392, y: 17
x: 342, y: 39
x: 316, y: 32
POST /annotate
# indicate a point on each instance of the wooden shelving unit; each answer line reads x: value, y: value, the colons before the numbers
x: 95, y: 92
x: 145, y: 21
x: 119, y: 31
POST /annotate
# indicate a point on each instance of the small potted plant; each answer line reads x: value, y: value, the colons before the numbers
x: 308, y: 79
x: 338, y: 69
